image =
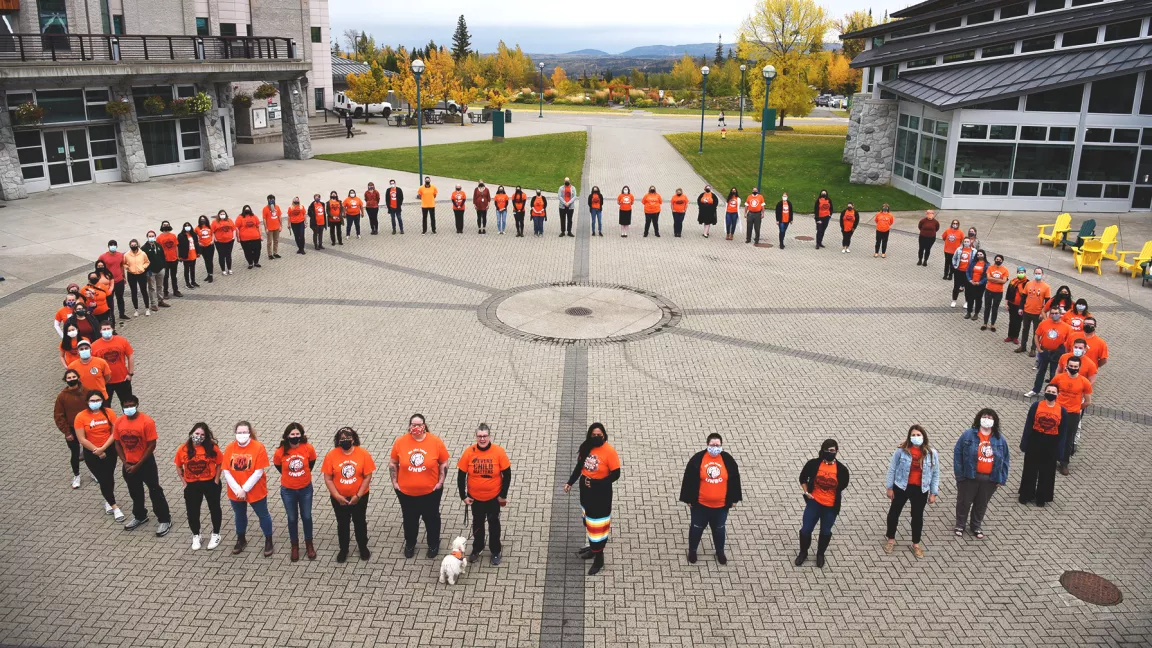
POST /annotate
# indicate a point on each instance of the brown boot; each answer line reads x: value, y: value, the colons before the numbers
x: 241, y: 542
x: 310, y: 550
x: 267, y: 546
x: 295, y: 551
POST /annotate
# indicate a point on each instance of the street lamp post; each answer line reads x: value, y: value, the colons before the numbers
x: 742, y: 68
x: 417, y: 70
x: 541, y: 66
x: 703, y: 101
x: 769, y: 74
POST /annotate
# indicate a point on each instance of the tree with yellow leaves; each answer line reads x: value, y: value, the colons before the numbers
x: 790, y: 94
x: 841, y: 77
x: 463, y: 94
x: 439, y: 73
x: 368, y: 88
x: 405, y: 84
x: 780, y: 29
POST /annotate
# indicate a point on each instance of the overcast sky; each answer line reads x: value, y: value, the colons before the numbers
x: 556, y: 27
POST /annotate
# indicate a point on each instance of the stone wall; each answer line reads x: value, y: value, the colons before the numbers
x: 874, y: 143
x: 294, y: 102
x: 854, y: 123
x: 11, y: 178
x: 215, y: 144
x: 133, y: 164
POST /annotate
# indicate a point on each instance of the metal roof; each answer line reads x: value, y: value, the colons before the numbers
x: 929, y: 17
x: 907, y: 49
x: 957, y: 87
x: 342, y: 67
x: 931, y: 5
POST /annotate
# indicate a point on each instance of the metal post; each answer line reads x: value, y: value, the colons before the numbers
x: 419, y: 131
x: 541, y: 92
x: 741, y: 126
x: 763, y: 133
x: 703, y: 102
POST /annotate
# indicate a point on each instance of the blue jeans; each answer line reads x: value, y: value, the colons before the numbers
x: 703, y: 516
x: 597, y: 220
x: 816, y: 512
x: 260, y: 507
x: 1046, y: 362
x: 783, y: 230
x: 730, y: 221
x: 537, y: 224
x: 397, y: 219
x: 298, y: 506
x: 501, y: 220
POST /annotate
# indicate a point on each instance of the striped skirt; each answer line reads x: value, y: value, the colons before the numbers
x: 596, y: 507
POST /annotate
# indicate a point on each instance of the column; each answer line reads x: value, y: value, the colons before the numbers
x: 216, y: 146
x: 133, y: 163
x: 854, y: 125
x: 11, y: 178
x: 294, y: 108
x: 875, y: 142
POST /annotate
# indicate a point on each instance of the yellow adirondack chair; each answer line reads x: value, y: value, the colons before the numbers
x: 1088, y: 255
x: 1133, y: 267
x: 1063, y: 224
x: 1108, y: 238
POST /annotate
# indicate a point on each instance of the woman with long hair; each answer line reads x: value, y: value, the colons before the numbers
x: 625, y: 201
x: 731, y: 213
x: 93, y: 429
x: 348, y: 470
x: 500, y: 201
x: 186, y: 251
x: 980, y: 463
x: 248, y: 228
x: 597, y: 468
x: 198, y: 462
x: 596, y: 210
x: 87, y: 326
x: 224, y: 231
x: 68, y: 352
x: 294, y: 459
x: 1061, y: 299
x: 204, y: 244
x: 822, y: 481
x: 1045, y: 433
x: 913, y: 476
x: 245, y: 461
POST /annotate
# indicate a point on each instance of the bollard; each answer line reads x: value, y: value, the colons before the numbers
x: 723, y: 133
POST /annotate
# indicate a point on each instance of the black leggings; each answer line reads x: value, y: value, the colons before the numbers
x: 74, y: 449
x: 926, y: 243
x: 959, y: 283
x: 206, y: 253
x: 373, y: 218
x: 317, y: 237
x: 428, y: 213
x: 918, y: 498
x: 105, y: 472
x: 351, y: 515
x: 991, y: 305
x: 415, y: 507
x: 196, y: 491
x: 224, y: 250
x: 139, y: 285
x: 882, y: 242
x: 189, y: 273
x: 847, y: 238
x: 518, y: 216
x: 251, y: 251
x: 482, y: 219
x: 973, y: 298
x: 335, y: 234
x: 118, y: 291
x: 353, y: 221
x: 948, y: 270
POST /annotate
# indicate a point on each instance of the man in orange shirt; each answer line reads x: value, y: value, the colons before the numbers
x: 753, y: 215
x: 427, y: 195
x: 483, y: 477
x: 1088, y: 368
x: 884, y: 220
x: 1050, y: 337
x: 94, y: 372
x: 272, y: 215
x: 118, y: 353
x: 135, y: 436
x: 459, y: 200
x: 711, y: 486
x: 171, y: 245
x: 394, y: 200
x: 1036, y: 293
x: 418, y: 465
x: 1097, y: 347
x: 784, y: 216
x: 652, y: 203
x: 1075, y: 395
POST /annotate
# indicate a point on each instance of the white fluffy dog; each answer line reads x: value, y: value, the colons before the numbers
x: 454, y: 563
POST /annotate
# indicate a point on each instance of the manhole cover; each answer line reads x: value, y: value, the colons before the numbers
x: 805, y: 238
x: 1090, y: 588
x: 578, y: 311
x: 763, y: 245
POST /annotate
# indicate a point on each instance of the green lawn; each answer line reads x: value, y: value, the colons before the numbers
x: 539, y: 161
x: 800, y: 165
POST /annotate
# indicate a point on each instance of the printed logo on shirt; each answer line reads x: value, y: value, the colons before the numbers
x: 111, y: 356
x: 241, y: 463
x: 1053, y: 334
x: 129, y: 441
x: 483, y: 467
x: 348, y: 472
x: 95, y: 423
x: 713, y: 474
x: 591, y: 463
x: 197, y: 467
x: 93, y: 371
x: 295, y: 466
x: 826, y: 483
x: 416, y: 461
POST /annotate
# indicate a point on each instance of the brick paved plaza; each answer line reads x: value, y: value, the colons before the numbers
x: 775, y: 349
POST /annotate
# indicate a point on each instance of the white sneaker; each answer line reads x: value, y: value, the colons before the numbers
x: 117, y: 514
x: 1030, y: 393
x: 849, y: 250
x: 76, y: 482
x: 94, y: 480
x: 214, y: 541
x: 195, y: 543
x: 108, y: 508
x: 953, y: 303
x: 147, y: 312
x: 136, y: 313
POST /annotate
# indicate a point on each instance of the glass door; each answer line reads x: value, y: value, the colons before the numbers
x: 79, y: 157
x: 56, y: 154
x: 67, y: 155
x: 1142, y: 196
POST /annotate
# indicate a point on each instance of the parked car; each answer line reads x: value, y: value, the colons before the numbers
x: 345, y: 106
x: 838, y: 101
x: 822, y: 100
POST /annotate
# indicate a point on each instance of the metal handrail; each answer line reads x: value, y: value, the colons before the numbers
x: 132, y: 47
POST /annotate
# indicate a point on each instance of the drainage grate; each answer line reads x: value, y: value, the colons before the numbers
x: 578, y: 311
x: 805, y: 238
x: 764, y: 245
x: 1090, y: 588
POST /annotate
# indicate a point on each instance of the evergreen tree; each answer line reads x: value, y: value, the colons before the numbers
x: 719, y: 58
x: 730, y: 54
x: 461, y: 40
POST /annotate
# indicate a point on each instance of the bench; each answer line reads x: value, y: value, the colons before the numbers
x: 476, y: 118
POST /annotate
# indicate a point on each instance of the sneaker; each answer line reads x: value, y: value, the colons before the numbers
x: 1030, y: 394
x: 432, y: 552
x: 882, y: 256
x: 692, y: 557
x: 196, y: 543
x: 76, y: 482
x: 721, y: 558
x: 918, y: 551
x: 983, y: 327
x: 889, y: 545
x: 163, y: 528
x: 953, y: 303
x: 992, y: 328
x: 213, y: 541
x: 409, y: 551
x: 473, y: 558
x: 875, y: 255
x: 496, y: 558
x: 849, y: 250
x: 844, y: 251
x: 136, y: 313
x: 107, y: 507
x: 147, y: 312
x: 134, y: 522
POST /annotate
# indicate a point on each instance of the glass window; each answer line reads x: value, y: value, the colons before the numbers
x: 1062, y: 134
x: 227, y: 29
x: 939, y: 150
x: 951, y: 23
x: 898, y: 169
x: 25, y: 138
x: 1043, y: 162
x: 1122, y: 30
x: 202, y: 27
x: 984, y: 160
x: 929, y: 125
x: 888, y: 72
x: 902, y: 137
x: 1113, y: 96
x: 1098, y: 135
x: 912, y: 31
x: 96, y: 100
x: 1081, y: 3
x: 1053, y: 189
x: 1060, y: 100
x: 1088, y: 190
x: 185, y: 91
x: 924, y: 62
x: 1038, y: 44
x: 1003, y: 49
x: 1116, y: 191
x: 141, y: 93
x: 913, y: 122
x: 877, y: 42
x: 159, y: 140
x: 974, y: 131
x: 981, y: 17
x: 96, y: 133
x: 190, y: 138
x: 1014, y: 11
x: 903, y: 121
x: 1011, y: 103
x: 1048, y: 5
x: 1025, y: 188
x: 956, y: 57
x: 935, y: 183
x: 53, y: 16
x: 248, y: 29
x: 1147, y: 138
x: 1126, y: 136
x: 922, y: 179
x: 316, y: 35
x: 925, y: 161
x: 1107, y: 163
x: 1080, y: 37
x: 942, y: 128
x: 30, y: 155
x: 1033, y: 133
x: 61, y: 105
x: 908, y: 172
x: 966, y: 188
x: 994, y: 189
x: 96, y: 96
x: 1002, y: 132
x: 1145, y: 101
x: 33, y: 172
x: 104, y: 148
x: 118, y: 24
x: 319, y: 92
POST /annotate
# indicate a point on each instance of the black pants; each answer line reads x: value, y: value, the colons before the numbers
x: 413, y: 508
x: 1015, y: 319
x: 194, y: 493
x: 139, y: 285
x: 949, y: 271
x: 926, y: 243
x: 1031, y: 322
x: 677, y: 223
x: 652, y: 220
x: 298, y: 235
x: 991, y: 305
x: 251, y: 251
x: 207, y: 253
x: 74, y: 450
x: 335, y: 234
x: 121, y: 389
x: 428, y: 214
x: 847, y: 238
x: 318, y: 237
x: 481, y: 219
x: 352, y: 221
x: 104, y: 471
x: 349, y: 133
x: 224, y: 255
x: 373, y: 219
x: 118, y: 291
x: 821, y: 227
x: 518, y: 216
x: 973, y: 298
x: 566, y: 219
x: 959, y: 283
x: 1038, y: 480
x: 348, y: 515
x: 189, y: 273
x: 918, y: 498
x: 488, y: 510
x: 1073, y: 424
x: 459, y: 214
x: 146, y: 475
x: 171, y: 268
x: 754, y: 221
x: 882, y: 242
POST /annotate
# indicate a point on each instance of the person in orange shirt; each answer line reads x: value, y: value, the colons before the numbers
x: 187, y: 254
x: 294, y: 459
x: 711, y: 486
x: 953, y: 237
x: 539, y: 212
x: 297, y: 220
x: 1036, y: 294
x: 198, y: 462
x: 272, y: 224
x: 597, y: 469
x: 352, y: 206
x: 68, y: 343
x: 753, y: 215
x: 171, y: 245
x: 95, y: 298
x: 1088, y: 368
x: 884, y: 220
x: 679, y: 208
x: 822, y: 480
x: 849, y: 221
x: 913, y: 476
x: 64, y: 312
x: 135, y: 436
x: 962, y: 258
x: 652, y: 203
x: 519, y: 203
x: 335, y: 217
x: 318, y: 219
x: 998, y: 276
x: 418, y: 465
x: 120, y: 356
x: 784, y: 216
x: 459, y: 200
x: 95, y: 374
x: 1076, y: 315
x: 1097, y: 347
x: 394, y: 199
x: 70, y: 402
x: 224, y: 231
x: 348, y: 470
x: 204, y: 244
x: 248, y: 229
x: 372, y: 206
x: 731, y: 214
x: 1051, y: 335
x: 93, y: 429
x: 245, y: 461
x: 822, y: 213
x: 624, y: 201
x: 1075, y: 395
x: 427, y: 195
x: 975, y: 279
x: 980, y: 462
x: 483, y: 477
x: 500, y: 200
x: 706, y: 204
x: 1045, y: 433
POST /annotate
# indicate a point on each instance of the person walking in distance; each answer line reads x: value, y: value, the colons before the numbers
x: 998, y: 276
x: 135, y: 435
x: 679, y: 204
x: 418, y: 465
x: 93, y: 429
x: 653, y: 202
x: 70, y: 402
x: 273, y: 218
x: 884, y: 220
x: 720, y: 122
x: 539, y: 213
x: 298, y: 221
x: 707, y: 203
x: 953, y: 238
x: 980, y: 462
x: 245, y: 462
x: 335, y: 219
x: 596, y: 211
x: 928, y: 227
x: 348, y: 126
x: 372, y: 206
x: 731, y: 214
x: 710, y: 488
x: 849, y: 221
x: 568, y: 197
x: 348, y: 470
x: 1051, y: 335
x: 1075, y: 395
x: 294, y: 459
x: 394, y: 199
x: 597, y: 469
x: 822, y: 213
x: 353, y: 207
x: 961, y: 259
x: 483, y: 477
x: 224, y: 232
x: 459, y: 200
x: 248, y: 229
x: 427, y: 195
x: 974, y: 281
x: 318, y: 219
x: 1036, y: 294
x: 1045, y: 433
x: 822, y: 481
x: 913, y: 476
x: 481, y: 200
x: 519, y: 205
x: 198, y: 461
x: 784, y: 215
x: 625, y: 201
x: 753, y: 216
x: 186, y: 251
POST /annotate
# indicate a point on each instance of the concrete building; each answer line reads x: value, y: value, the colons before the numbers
x: 95, y: 69
x: 1017, y: 104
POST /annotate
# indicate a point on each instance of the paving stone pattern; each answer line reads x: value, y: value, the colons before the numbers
x: 776, y: 350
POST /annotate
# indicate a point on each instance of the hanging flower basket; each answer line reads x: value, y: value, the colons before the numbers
x: 199, y: 103
x: 241, y: 101
x: 154, y: 105
x: 118, y: 108
x: 265, y: 91
x: 180, y: 107
x: 29, y: 113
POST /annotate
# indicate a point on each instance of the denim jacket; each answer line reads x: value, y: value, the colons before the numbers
x: 964, y: 456
x: 901, y: 465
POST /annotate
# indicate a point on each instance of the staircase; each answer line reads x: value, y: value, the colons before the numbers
x: 330, y: 130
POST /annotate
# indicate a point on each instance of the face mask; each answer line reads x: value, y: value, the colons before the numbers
x: 294, y: 440
x: 828, y: 456
x: 1080, y: 308
x: 785, y: 197
x: 625, y: 191
x: 85, y: 354
x: 129, y: 411
x: 715, y: 450
x: 197, y: 439
x: 1021, y: 275
x: 111, y: 248
x: 1089, y: 329
x: 967, y: 244
x: 135, y: 248
x: 998, y: 261
x: 1051, y: 398
x: 597, y: 441
x: 412, y: 429
x: 1038, y: 277
x: 566, y: 183
x: 1077, y: 352
x: 94, y: 405
x: 427, y: 183
x: 81, y: 313
x: 271, y: 202
x: 151, y: 239
x: 986, y: 423
x: 917, y: 441
x: 72, y: 334
x: 187, y: 228
x: 346, y: 444
x: 391, y: 184
x: 72, y: 383
x: 107, y: 335
x: 1073, y: 372
x: 243, y: 438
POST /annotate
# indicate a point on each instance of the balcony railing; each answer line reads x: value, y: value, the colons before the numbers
x: 131, y: 48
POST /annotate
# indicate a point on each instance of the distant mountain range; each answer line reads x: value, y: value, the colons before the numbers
x: 648, y: 58
x: 659, y: 51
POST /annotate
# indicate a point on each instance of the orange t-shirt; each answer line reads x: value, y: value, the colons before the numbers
x: 1072, y: 391
x: 427, y: 196
x: 191, y: 255
x: 249, y: 227
x: 1052, y: 334
x: 224, y: 230
x: 97, y: 425
x: 334, y: 210
x: 95, y: 298
x: 827, y: 481
x: 1097, y: 348
x: 600, y: 462
x: 62, y: 315
x: 318, y: 209
x: 272, y: 218
x: 1047, y: 418
x: 297, y: 214
x: 823, y: 208
x: 595, y: 201
x: 115, y: 352
x: 713, y: 482
x: 134, y: 435
x: 679, y: 203
x: 203, y: 235
x: 420, y: 463
x: 538, y: 207
x: 171, y: 245
x: 242, y: 462
x: 393, y: 198
x: 997, y: 272
x: 94, y: 375
x: 501, y: 200
x: 200, y: 467
x: 652, y: 203
x: 849, y: 220
x: 1088, y: 368
x: 459, y: 199
x: 756, y: 203
x: 1037, y: 293
x: 625, y: 201
x: 484, y: 468
x: 785, y: 213
x: 352, y: 206
x: 1075, y: 320
x: 884, y: 221
x: 984, y: 455
x: 733, y: 205
x: 978, y: 268
x: 294, y: 471
x: 916, y: 471
x: 953, y: 238
x: 348, y: 471
x: 966, y: 256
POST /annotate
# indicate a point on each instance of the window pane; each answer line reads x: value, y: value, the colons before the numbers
x: 988, y: 51
x: 939, y: 149
x: 974, y: 131
x: 910, y: 148
x: 888, y: 72
x: 942, y: 128
x: 190, y: 139
x: 1098, y: 135
x: 104, y: 164
x: 97, y: 112
x: 913, y: 122
x: 903, y: 121
x: 97, y: 133
x: 1060, y: 100
x: 1025, y: 188
x: 33, y: 172
x: 1048, y: 5
x: 1002, y: 132
x: 1126, y: 136
x: 901, y: 143
x: 1011, y: 103
x: 995, y: 189
x: 1113, y: 96
x: 1088, y: 190
x: 227, y: 29
x: 979, y: 160
x: 27, y: 138
x: 1014, y: 11
x: 1053, y: 189
x: 1146, y: 101
x: 159, y: 139
x: 1081, y: 3
x: 61, y: 105
x: 968, y: 188
x: 911, y: 31
x: 316, y: 35
x: 1079, y: 37
x: 1122, y: 30
x: 30, y: 155
x: 1062, y: 134
x: 185, y: 91
x: 956, y: 57
x: 924, y: 62
x: 929, y: 125
x: 102, y: 148
x: 897, y: 169
x: 141, y: 93
x: 925, y: 161
x: 1038, y: 44
x: 202, y: 27
x: 935, y: 183
x: 96, y: 96
x: 922, y: 179
x: 981, y: 17
x: 319, y: 92
x: 1032, y: 133
x: 1116, y: 191
x: 1107, y: 163
x: 192, y: 154
x: 1146, y: 140
x: 53, y: 16
x: 951, y: 23
x: 1040, y: 162
x: 908, y: 173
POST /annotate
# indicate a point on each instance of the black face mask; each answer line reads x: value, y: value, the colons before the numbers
x: 294, y: 441
x: 1073, y: 372
x: 828, y: 456
x: 135, y: 248
x: 597, y: 441
x: 1089, y: 329
x: 1051, y: 398
x: 73, y: 383
x: 346, y: 444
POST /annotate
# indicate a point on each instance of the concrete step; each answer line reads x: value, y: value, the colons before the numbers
x: 329, y: 131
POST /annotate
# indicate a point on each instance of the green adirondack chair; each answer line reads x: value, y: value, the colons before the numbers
x: 1087, y: 228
